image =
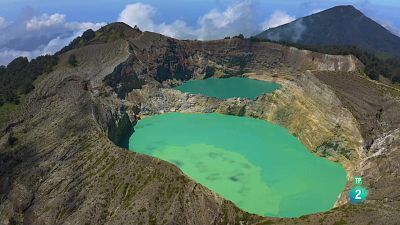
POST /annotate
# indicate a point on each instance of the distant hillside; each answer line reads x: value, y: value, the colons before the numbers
x: 341, y: 25
x: 375, y: 67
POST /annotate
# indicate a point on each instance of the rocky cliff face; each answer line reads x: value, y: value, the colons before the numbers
x: 59, y: 163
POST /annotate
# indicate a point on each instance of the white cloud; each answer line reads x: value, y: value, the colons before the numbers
x: 316, y: 11
x: 40, y: 35
x: 2, y: 22
x: 390, y: 26
x: 236, y: 18
x: 45, y: 21
x: 138, y: 14
x: 177, y: 29
x: 6, y: 55
x: 232, y: 14
x: 54, y: 45
x: 57, y: 43
x: 276, y: 19
x: 58, y: 20
x: 84, y: 26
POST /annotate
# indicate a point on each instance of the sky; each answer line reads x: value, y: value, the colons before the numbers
x: 36, y: 27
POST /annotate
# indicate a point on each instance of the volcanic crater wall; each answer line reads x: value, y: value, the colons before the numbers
x: 61, y: 166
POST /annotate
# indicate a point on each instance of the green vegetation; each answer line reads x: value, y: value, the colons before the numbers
x: 240, y: 36
x: 340, y: 222
x: 375, y: 65
x: 17, y: 78
x: 72, y: 60
x: 86, y: 37
x: 267, y: 222
x: 108, y: 33
x: 329, y: 147
x: 9, y: 109
x: 210, y: 71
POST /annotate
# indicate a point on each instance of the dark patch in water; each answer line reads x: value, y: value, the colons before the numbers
x: 213, y: 155
x: 151, y: 147
x: 213, y: 176
x: 234, y: 178
x: 246, y: 166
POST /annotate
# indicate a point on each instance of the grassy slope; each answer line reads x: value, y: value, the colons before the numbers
x: 8, y: 110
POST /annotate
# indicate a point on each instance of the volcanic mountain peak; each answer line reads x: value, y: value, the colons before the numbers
x: 343, y: 9
x: 123, y: 29
x: 109, y: 33
x: 340, y: 25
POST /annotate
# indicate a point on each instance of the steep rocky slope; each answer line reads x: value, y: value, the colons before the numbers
x: 59, y: 163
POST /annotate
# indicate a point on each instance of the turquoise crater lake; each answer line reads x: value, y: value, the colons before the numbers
x: 224, y: 88
x: 259, y: 166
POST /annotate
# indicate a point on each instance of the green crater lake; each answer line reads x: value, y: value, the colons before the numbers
x: 229, y: 87
x: 259, y: 166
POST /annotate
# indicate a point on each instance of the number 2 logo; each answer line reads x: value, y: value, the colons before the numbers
x: 358, y: 194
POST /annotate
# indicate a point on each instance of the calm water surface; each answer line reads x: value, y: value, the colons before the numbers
x: 259, y: 166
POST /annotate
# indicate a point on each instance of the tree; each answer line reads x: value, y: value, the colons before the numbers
x: 72, y: 60
x: 88, y: 35
x: 254, y: 39
x: 17, y: 78
x: 240, y: 36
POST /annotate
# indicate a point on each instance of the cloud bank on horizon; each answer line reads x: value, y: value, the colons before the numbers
x: 40, y: 34
x: 46, y: 34
x: 215, y: 24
